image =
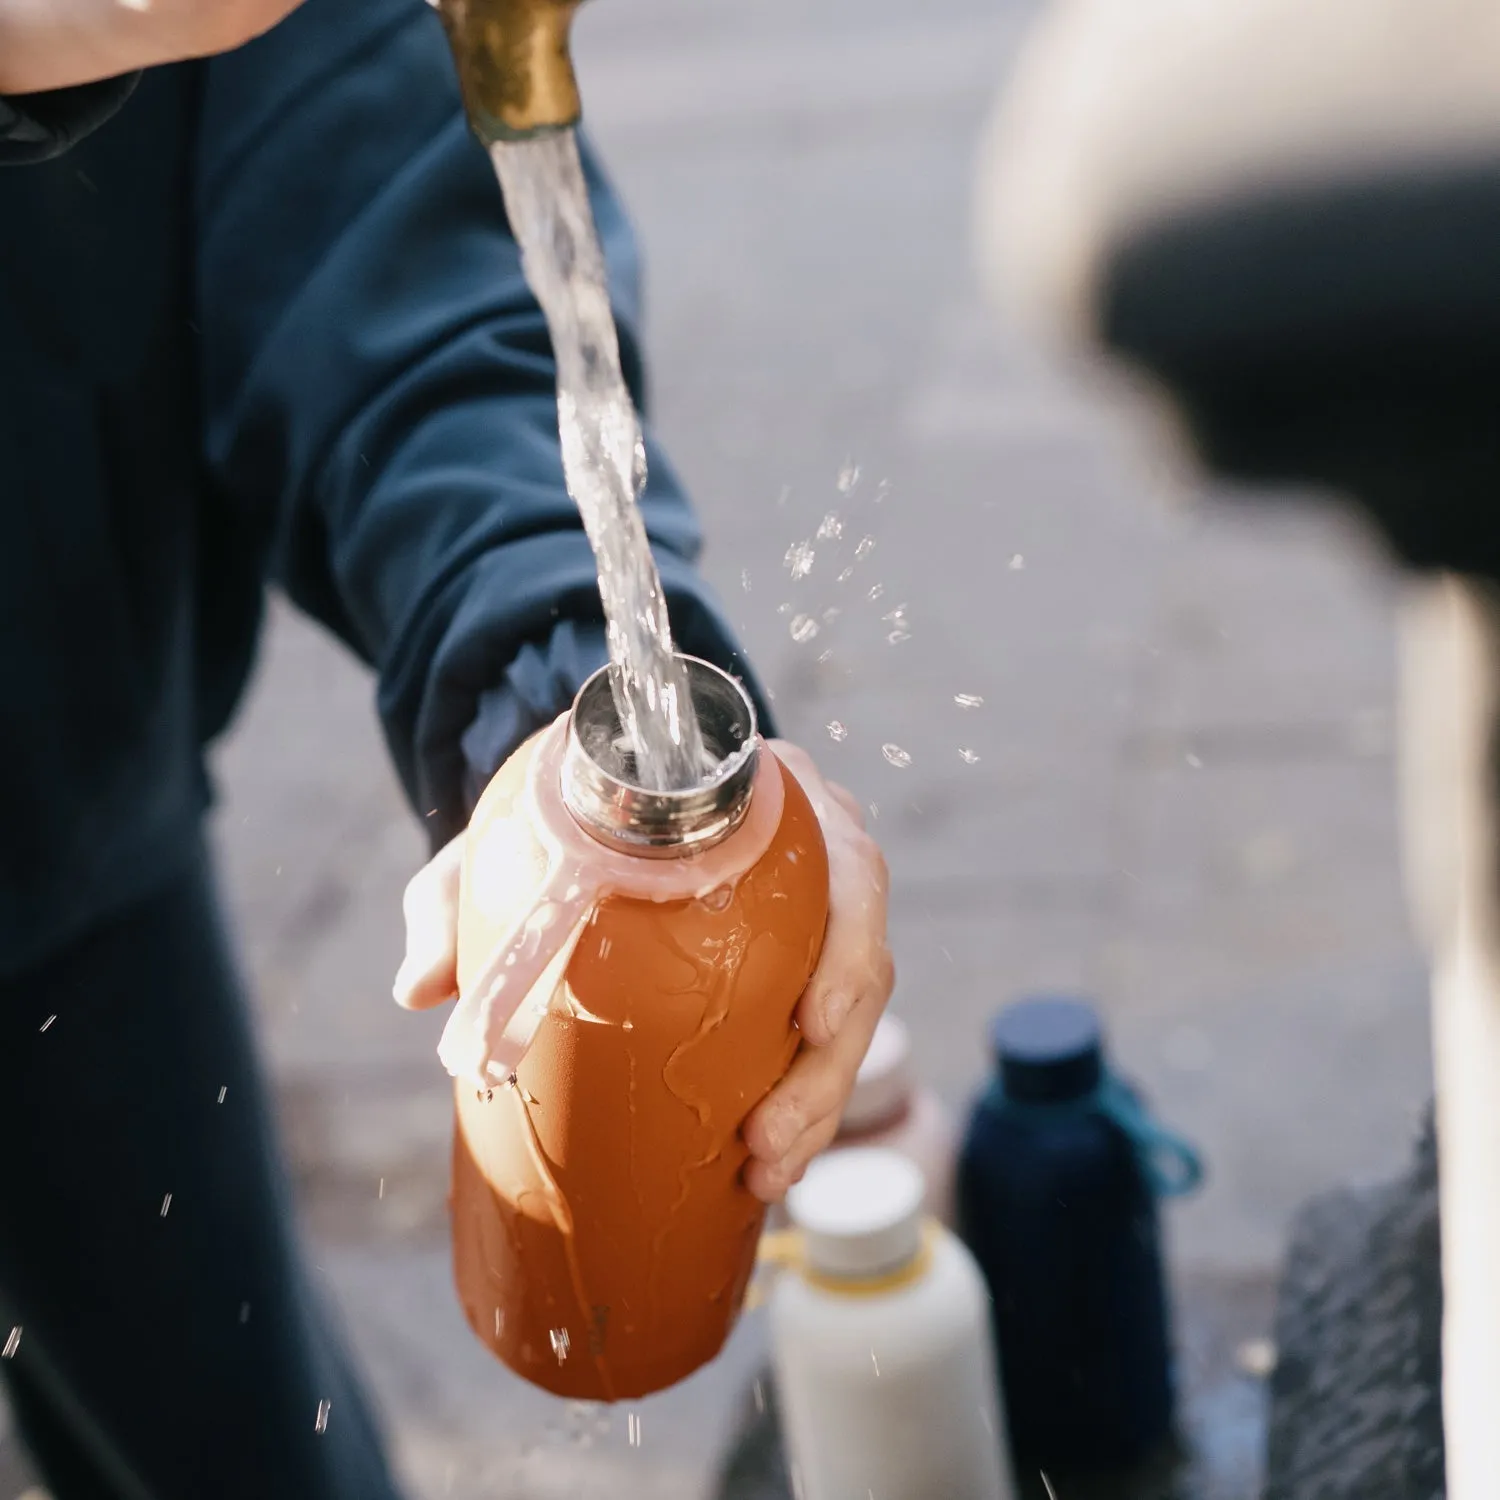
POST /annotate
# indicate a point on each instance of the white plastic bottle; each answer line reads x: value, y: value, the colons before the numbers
x: 880, y: 1334
x: 890, y: 1108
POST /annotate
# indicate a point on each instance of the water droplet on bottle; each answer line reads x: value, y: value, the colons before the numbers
x: 876, y: 590
x: 745, y: 579
x: 560, y: 1344
x: 968, y: 700
x: 898, y: 757
x: 320, y: 1422
x: 865, y: 548
x: 605, y: 945
x: 875, y: 1363
x: 830, y: 528
x: 897, y: 637
x: 719, y: 898
x: 804, y: 628
x: 799, y: 559
x: 846, y: 575
x: 837, y: 732
x: 967, y: 756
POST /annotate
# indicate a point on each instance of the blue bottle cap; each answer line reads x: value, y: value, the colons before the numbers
x: 1048, y: 1050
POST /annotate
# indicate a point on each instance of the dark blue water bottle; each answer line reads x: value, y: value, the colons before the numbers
x: 1058, y: 1179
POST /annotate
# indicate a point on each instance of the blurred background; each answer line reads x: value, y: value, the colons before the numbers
x: 1176, y: 796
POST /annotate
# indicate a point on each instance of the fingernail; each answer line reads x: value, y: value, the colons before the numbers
x: 836, y: 1010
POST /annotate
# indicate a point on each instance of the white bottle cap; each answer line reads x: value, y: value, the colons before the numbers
x: 884, y: 1084
x: 860, y: 1212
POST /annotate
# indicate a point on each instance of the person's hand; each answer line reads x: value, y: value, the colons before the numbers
x: 54, y: 44
x: 836, y: 1015
x: 843, y: 1001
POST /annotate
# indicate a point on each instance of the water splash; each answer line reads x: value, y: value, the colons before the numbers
x: 799, y: 559
x: 604, y: 456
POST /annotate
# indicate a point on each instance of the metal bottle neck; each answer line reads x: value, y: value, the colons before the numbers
x: 599, y: 791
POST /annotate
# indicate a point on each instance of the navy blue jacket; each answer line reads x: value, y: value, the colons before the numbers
x: 269, y: 322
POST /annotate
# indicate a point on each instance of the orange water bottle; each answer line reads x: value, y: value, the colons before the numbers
x: 629, y: 965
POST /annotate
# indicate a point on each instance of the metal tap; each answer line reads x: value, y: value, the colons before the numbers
x: 514, y: 66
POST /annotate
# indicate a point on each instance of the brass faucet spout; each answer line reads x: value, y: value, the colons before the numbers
x: 514, y: 66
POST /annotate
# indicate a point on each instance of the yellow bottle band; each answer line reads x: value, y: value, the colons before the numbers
x: 784, y: 1250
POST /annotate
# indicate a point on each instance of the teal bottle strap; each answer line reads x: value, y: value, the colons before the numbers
x: 1170, y: 1164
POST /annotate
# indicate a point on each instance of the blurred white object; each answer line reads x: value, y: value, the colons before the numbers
x: 881, y: 1338
x: 1450, y: 684
x: 1118, y: 115
x: 890, y: 1108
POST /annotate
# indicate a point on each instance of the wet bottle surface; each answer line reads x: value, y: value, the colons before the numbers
x: 603, y: 1240
x: 1058, y: 1182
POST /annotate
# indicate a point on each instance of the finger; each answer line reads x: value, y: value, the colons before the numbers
x: 815, y: 1089
x: 428, y: 974
x: 848, y: 801
x: 854, y: 961
x: 769, y: 1181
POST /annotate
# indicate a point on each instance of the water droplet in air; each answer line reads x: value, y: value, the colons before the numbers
x: 804, y: 628
x: 48, y: 1022
x: 968, y: 700
x: 846, y: 575
x: 244, y: 1312
x: 627, y: 1025
x: 830, y: 528
x: 831, y: 613
x: 12, y: 1344
x: 633, y: 1429
x: 1194, y: 761
x: 865, y: 548
x: 875, y: 1363
x: 381, y: 1193
x: 1017, y: 563
x: 784, y: 609
x: 898, y: 757
x: 799, y: 559
x: 605, y: 944
x: 166, y: 1203
x: 222, y: 1092
x: 874, y: 812
x: 848, y: 478
x: 837, y: 732
x: 560, y: 1343
x: 320, y: 1422
x: 876, y: 590
x: 967, y: 756
x: 745, y: 579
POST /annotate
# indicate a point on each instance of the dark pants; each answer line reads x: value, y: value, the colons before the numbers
x: 170, y: 1347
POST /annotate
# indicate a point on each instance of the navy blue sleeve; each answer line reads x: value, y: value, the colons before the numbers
x: 377, y: 369
x: 37, y: 127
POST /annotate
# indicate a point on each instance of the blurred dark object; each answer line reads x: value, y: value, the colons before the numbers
x: 1356, y: 1398
x: 1057, y: 1186
x: 1344, y: 334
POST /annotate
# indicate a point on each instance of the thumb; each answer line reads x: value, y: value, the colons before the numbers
x: 428, y: 975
